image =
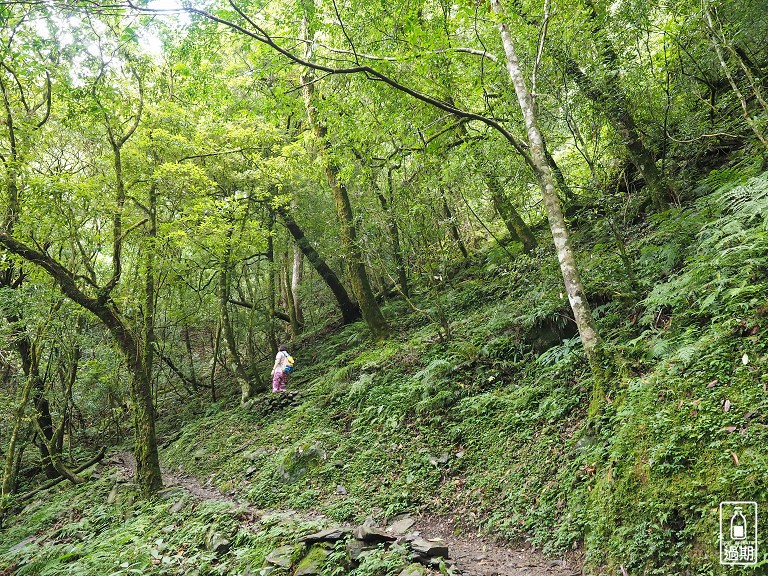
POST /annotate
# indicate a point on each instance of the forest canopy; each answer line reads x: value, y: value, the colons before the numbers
x: 184, y: 186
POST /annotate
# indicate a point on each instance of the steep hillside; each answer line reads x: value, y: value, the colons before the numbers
x: 478, y: 409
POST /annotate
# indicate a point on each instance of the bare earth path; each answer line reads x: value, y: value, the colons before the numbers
x: 473, y: 555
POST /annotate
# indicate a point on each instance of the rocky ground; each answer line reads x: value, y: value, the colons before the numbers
x: 431, y: 540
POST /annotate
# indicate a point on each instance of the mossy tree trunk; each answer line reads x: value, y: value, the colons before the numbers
x: 361, y: 286
x: 451, y: 222
x: 235, y: 363
x: 516, y: 226
x: 350, y: 312
x: 612, y: 100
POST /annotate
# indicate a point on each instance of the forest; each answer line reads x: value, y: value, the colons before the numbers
x: 517, y: 252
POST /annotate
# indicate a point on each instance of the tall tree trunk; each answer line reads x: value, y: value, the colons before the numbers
x: 10, y: 469
x: 517, y: 228
x: 147, y: 461
x: 361, y: 286
x: 565, y: 255
x: 271, y: 285
x: 568, y: 194
x: 188, y: 344
x: 298, y: 272
x: 349, y: 310
x: 286, y: 287
x: 613, y: 102
x: 448, y: 215
x: 247, y: 389
x: 148, y: 350
x: 394, y: 233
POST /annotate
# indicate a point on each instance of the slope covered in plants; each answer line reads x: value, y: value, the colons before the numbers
x: 483, y: 417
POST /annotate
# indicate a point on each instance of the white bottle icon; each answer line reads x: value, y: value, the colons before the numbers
x: 738, y: 525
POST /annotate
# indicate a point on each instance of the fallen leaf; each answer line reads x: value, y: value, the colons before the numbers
x: 726, y: 405
x: 712, y: 384
x: 681, y: 404
x: 735, y: 458
x: 728, y: 429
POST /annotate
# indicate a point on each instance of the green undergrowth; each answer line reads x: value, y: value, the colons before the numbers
x: 103, y: 527
x: 487, y: 422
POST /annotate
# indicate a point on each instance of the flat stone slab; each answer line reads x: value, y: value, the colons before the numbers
x: 414, y: 570
x: 312, y: 563
x: 329, y: 535
x: 283, y: 556
x: 401, y: 526
x: 427, y: 549
x: 368, y: 533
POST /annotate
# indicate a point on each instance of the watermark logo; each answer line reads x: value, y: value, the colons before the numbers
x: 738, y: 533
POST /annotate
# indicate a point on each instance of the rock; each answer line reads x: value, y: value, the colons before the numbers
x: 329, y: 535
x: 312, y: 563
x: 251, y: 471
x: 424, y: 549
x: 414, y: 570
x: 340, y: 489
x: 284, y: 556
x: 401, y: 526
x: 199, y: 454
x: 256, y: 454
x: 356, y: 548
x: 169, y: 493
x: 298, y: 462
x: 217, y: 543
x: 371, y: 535
x: 23, y: 544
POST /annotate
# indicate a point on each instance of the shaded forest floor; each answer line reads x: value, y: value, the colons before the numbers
x: 473, y: 554
x: 475, y: 413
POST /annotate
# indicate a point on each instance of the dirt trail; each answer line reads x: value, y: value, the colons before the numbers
x: 472, y: 554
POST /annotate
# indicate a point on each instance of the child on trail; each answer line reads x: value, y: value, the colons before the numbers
x: 279, y: 372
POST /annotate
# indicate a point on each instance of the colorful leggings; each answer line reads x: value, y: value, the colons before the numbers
x: 279, y: 380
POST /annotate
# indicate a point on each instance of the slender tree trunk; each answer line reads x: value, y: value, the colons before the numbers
x: 613, y: 102
x: 296, y: 276
x: 271, y: 287
x: 361, y: 286
x: 215, y: 361
x: 559, y: 178
x: 188, y: 344
x: 516, y: 226
x: 43, y: 418
x: 718, y: 42
x: 10, y: 469
x: 571, y: 278
x: 452, y: 225
x: 288, y: 294
x: 148, y: 350
x: 349, y: 310
x: 394, y: 233
x: 233, y: 355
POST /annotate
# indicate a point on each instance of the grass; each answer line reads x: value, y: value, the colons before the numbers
x: 490, y: 428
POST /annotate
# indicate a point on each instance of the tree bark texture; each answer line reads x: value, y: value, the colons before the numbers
x: 573, y: 285
x: 147, y: 461
x: 349, y: 310
x: 361, y: 286
x: 516, y: 226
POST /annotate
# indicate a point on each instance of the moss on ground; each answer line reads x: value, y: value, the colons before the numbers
x: 485, y: 427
